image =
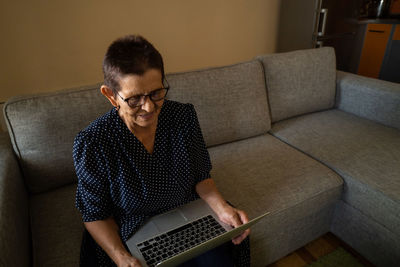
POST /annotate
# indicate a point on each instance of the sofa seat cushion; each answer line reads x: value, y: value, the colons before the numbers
x: 364, y: 153
x: 56, y: 228
x: 262, y: 174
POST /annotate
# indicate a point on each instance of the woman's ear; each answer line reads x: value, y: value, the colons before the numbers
x: 108, y: 92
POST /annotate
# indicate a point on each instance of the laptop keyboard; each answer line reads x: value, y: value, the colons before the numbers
x: 162, y: 247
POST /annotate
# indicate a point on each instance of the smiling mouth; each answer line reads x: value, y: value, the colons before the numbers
x: 146, y: 116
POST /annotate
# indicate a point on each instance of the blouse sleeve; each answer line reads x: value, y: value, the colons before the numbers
x: 199, y: 157
x: 93, y: 198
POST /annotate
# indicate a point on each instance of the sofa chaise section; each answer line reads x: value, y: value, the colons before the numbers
x: 359, y: 139
x: 367, y: 156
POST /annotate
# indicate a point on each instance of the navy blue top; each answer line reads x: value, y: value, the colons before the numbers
x: 118, y: 177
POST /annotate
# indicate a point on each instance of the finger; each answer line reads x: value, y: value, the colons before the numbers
x: 237, y: 240
x: 236, y: 219
x: 233, y: 219
x: 243, y: 216
x: 135, y: 263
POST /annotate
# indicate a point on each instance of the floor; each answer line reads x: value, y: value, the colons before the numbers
x: 316, y: 249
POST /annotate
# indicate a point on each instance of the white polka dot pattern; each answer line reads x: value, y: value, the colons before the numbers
x: 118, y: 177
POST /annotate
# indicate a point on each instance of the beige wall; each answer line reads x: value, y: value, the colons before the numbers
x: 49, y: 45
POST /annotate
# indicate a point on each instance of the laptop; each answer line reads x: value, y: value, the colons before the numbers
x: 176, y: 236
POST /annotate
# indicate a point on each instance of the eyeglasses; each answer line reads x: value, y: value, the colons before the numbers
x: 138, y: 100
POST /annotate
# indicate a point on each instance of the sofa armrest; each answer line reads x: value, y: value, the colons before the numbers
x: 369, y: 98
x: 15, y: 241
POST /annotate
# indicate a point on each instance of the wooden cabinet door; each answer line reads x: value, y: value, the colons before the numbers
x: 390, y: 70
x: 373, y: 51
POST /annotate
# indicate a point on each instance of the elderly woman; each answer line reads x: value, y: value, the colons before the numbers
x: 143, y: 157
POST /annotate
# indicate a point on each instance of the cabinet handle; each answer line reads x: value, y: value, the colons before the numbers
x: 324, y: 12
x: 376, y: 31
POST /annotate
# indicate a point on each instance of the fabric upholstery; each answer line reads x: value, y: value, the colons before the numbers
x: 56, y: 228
x: 369, y: 98
x: 364, y: 153
x: 14, y: 222
x: 375, y: 242
x: 262, y: 174
x: 42, y: 129
x: 231, y: 101
x: 254, y: 170
x: 281, y: 234
x: 300, y: 82
x: 299, y: 196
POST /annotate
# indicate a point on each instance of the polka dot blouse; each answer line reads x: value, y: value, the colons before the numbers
x: 118, y: 177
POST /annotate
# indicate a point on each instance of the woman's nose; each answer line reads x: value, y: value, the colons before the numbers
x: 148, y: 104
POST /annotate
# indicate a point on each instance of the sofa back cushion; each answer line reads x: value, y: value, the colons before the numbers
x: 43, y: 128
x: 300, y: 82
x: 231, y: 101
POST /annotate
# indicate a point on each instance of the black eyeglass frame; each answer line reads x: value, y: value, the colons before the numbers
x: 146, y: 95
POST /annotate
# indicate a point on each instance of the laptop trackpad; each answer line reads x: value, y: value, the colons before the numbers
x: 170, y: 220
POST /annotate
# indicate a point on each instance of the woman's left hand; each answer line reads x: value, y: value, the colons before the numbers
x: 226, y: 213
x: 235, y: 218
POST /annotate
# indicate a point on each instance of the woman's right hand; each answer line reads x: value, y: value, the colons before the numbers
x: 106, y: 234
x: 128, y: 261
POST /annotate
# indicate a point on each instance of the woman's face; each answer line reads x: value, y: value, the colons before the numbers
x: 145, y: 115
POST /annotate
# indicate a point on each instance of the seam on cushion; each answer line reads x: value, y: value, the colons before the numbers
x: 350, y: 177
x: 341, y: 176
x: 336, y: 90
x: 14, y: 141
x: 311, y: 198
x: 266, y: 91
x: 337, y: 171
x: 238, y: 140
x: 19, y: 157
x: 369, y: 217
x: 215, y: 68
x: 52, y: 94
x: 54, y: 189
x: 304, y: 114
x: 338, y: 178
x: 378, y: 191
x: 309, y: 155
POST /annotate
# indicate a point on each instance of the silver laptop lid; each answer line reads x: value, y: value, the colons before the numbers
x: 176, y: 218
x: 208, y: 245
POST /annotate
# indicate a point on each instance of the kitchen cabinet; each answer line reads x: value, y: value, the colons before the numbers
x: 380, y: 55
x: 373, y: 51
x: 390, y: 70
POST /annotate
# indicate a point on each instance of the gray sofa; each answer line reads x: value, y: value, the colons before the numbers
x: 287, y: 133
